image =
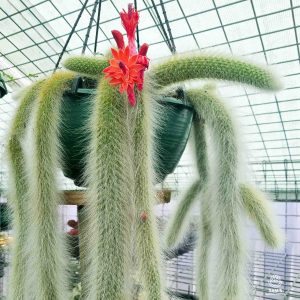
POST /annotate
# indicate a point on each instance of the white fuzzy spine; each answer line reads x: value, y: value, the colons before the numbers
x: 18, y: 194
x: 225, y: 203
x: 109, y: 198
x: 148, y: 250
x: 205, y: 224
x: 46, y: 245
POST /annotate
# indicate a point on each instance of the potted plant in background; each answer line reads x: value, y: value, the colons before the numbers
x: 3, y: 89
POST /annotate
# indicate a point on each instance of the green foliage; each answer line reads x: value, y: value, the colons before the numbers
x: 8, y: 77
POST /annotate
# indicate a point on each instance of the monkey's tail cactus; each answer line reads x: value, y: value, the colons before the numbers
x: 110, y: 195
x: 181, y: 68
x: 260, y: 212
x: 221, y: 214
x: 176, y: 228
x: 146, y: 228
x: 45, y: 242
x: 18, y: 192
x: 88, y: 66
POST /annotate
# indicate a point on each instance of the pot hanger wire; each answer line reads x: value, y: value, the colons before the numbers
x: 97, y: 3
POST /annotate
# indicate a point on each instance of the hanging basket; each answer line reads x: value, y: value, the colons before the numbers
x: 171, y: 134
x: 5, y: 217
x: 3, y: 89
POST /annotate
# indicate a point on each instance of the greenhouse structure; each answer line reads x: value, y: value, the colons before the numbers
x: 149, y: 149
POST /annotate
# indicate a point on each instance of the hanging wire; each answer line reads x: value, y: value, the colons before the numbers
x: 70, y: 35
x: 162, y: 27
x: 168, y: 27
x: 89, y: 27
x: 97, y: 28
x: 264, y: 169
x: 285, y: 164
x: 276, y: 191
x: 137, y: 28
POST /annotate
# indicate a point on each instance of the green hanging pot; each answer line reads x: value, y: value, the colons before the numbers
x: 171, y: 134
x: 3, y: 89
x: 5, y: 217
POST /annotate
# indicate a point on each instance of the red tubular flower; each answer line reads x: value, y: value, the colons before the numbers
x: 144, y: 61
x: 127, y: 67
x: 130, y: 21
x: 144, y: 49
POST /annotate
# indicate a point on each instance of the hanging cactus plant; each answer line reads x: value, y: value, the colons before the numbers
x: 118, y: 175
x: 223, y: 202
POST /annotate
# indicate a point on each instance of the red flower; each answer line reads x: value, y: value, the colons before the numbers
x: 130, y: 21
x: 127, y: 67
x: 124, y: 71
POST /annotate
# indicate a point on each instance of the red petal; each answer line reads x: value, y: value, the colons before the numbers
x: 115, y: 81
x: 107, y: 69
x: 144, y: 49
x: 115, y: 53
x: 118, y: 36
x: 130, y: 20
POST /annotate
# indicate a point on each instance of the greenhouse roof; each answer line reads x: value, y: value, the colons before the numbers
x: 33, y: 33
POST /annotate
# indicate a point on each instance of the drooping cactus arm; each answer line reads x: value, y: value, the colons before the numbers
x: 146, y: 231
x: 176, y: 223
x: 18, y: 196
x: 88, y: 66
x: 109, y: 205
x: 204, y: 246
x: 225, y: 201
x: 260, y: 212
x: 205, y: 222
x: 46, y: 246
x: 182, y: 68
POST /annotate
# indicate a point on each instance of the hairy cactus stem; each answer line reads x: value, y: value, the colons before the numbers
x: 110, y: 182
x: 18, y: 193
x: 147, y: 236
x: 225, y: 202
x: 47, y: 248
